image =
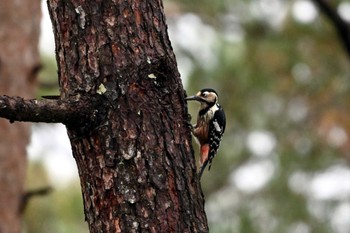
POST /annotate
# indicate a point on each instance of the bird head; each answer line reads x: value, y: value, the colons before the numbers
x: 207, y: 97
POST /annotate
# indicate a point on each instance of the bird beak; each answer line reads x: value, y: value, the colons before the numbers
x: 194, y: 97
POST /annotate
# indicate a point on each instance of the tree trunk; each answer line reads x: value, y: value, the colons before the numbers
x: 133, y: 152
x: 19, y: 63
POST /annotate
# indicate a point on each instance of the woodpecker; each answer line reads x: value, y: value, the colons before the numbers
x: 210, y: 126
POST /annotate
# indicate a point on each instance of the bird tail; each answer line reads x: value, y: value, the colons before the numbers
x: 202, y: 168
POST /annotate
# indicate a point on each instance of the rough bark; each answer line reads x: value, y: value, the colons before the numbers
x: 134, y: 157
x: 19, y: 63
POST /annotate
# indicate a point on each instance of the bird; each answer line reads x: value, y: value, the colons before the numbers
x: 210, y: 126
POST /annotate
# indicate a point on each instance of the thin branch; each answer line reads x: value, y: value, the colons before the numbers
x: 33, y: 193
x: 340, y: 25
x: 44, y: 110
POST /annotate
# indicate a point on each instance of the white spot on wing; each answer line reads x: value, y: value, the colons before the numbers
x: 217, y: 126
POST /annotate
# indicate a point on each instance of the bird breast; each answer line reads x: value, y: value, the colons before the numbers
x: 201, y: 131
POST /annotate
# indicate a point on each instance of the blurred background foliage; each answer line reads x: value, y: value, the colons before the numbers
x: 60, y: 211
x: 283, y: 78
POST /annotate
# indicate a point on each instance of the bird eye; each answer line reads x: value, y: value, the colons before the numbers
x: 205, y: 94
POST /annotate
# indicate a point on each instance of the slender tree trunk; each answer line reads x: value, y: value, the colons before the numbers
x: 133, y: 151
x: 19, y: 63
x: 340, y: 25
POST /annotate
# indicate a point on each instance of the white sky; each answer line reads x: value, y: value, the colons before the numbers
x: 50, y: 143
x: 304, y: 11
x: 47, y: 41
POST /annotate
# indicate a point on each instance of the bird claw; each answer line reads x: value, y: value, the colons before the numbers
x: 189, y: 125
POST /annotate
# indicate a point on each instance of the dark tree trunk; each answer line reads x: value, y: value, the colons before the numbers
x: 19, y: 63
x: 133, y: 151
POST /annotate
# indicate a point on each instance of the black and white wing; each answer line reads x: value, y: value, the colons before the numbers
x: 216, y: 131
